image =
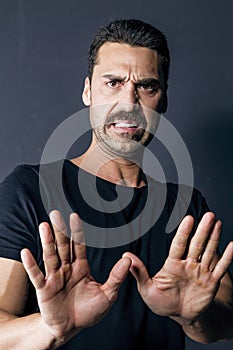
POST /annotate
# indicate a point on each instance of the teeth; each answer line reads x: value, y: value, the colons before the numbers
x: 125, y: 125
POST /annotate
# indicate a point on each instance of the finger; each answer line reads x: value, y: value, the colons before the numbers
x: 78, y: 242
x: 138, y: 269
x: 200, y: 238
x: 179, y: 242
x: 116, y: 278
x: 62, y: 240
x: 224, y: 262
x: 50, y: 257
x: 32, y: 269
x: 209, y: 255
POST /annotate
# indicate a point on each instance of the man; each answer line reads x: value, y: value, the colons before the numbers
x: 181, y: 285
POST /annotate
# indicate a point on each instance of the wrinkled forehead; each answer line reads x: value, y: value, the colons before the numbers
x: 113, y: 56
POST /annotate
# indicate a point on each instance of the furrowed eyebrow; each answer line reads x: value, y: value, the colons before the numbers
x: 113, y: 77
x: 151, y: 81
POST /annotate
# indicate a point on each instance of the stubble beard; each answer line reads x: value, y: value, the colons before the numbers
x: 127, y: 145
x: 122, y: 146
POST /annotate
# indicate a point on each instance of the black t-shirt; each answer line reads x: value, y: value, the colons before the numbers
x: 116, y: 219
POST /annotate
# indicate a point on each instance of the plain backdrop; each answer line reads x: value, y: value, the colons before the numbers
x: 43, y: 62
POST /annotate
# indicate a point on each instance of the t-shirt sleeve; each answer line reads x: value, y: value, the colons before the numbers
x: 20, y: 213
x: 199, y: 204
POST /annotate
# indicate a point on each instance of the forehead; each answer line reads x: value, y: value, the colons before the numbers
x: 116, y: 56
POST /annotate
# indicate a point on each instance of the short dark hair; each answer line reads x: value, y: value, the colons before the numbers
x: 133, y: 32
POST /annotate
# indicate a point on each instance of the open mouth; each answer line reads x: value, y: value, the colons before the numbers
x: 125, y: 126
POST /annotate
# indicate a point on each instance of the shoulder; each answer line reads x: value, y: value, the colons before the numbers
x: 181, y: 200
x: 188, y: 196
x: 21, y: 173
x: 19, y: 181
x: 28, y: 174
x: 176, y: 191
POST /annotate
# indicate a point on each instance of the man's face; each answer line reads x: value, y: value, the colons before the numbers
x: 124, y: 94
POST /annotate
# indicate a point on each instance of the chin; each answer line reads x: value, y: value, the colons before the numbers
x: 126, y: 149
x: 122, y: 146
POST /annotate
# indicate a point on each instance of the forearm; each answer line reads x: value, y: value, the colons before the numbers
x: 29, y: 332
x: 216, y: 323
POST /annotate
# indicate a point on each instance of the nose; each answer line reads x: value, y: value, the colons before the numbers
x: 129, y: 95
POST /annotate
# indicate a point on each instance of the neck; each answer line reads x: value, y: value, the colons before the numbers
x: 116, y: 169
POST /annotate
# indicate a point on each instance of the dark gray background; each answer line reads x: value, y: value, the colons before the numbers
x: 43, y: 54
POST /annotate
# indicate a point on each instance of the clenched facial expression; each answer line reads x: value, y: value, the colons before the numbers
x: 123, y: 94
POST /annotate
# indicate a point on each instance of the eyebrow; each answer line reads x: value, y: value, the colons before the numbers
x: 113, y: 77
x: 140, y: 81
x: 151, y: 81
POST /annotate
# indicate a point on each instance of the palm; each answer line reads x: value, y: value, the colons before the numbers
x: 181, y: 289
x: 68, y: 296
x: 185, y: 287
x: 76, y: 294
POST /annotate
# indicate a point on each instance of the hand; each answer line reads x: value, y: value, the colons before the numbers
x: 185, y: 287
x: 68, y: 296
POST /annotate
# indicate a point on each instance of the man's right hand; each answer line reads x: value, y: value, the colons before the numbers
x: 68, y: 296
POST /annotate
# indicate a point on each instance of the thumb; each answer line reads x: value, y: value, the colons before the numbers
x: 138, y: 269
x: 116, y: 278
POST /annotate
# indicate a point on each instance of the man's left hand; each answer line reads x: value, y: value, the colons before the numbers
x: 186, y: 284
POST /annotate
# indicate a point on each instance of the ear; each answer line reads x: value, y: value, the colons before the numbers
x: 86, y: 95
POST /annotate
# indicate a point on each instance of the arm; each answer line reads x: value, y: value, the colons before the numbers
x: 194, y: 290
x: 26, y: 330
x: 68, y: 296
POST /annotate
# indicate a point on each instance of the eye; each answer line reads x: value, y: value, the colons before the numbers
x: 113, y: 83
x: 148, y: 87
